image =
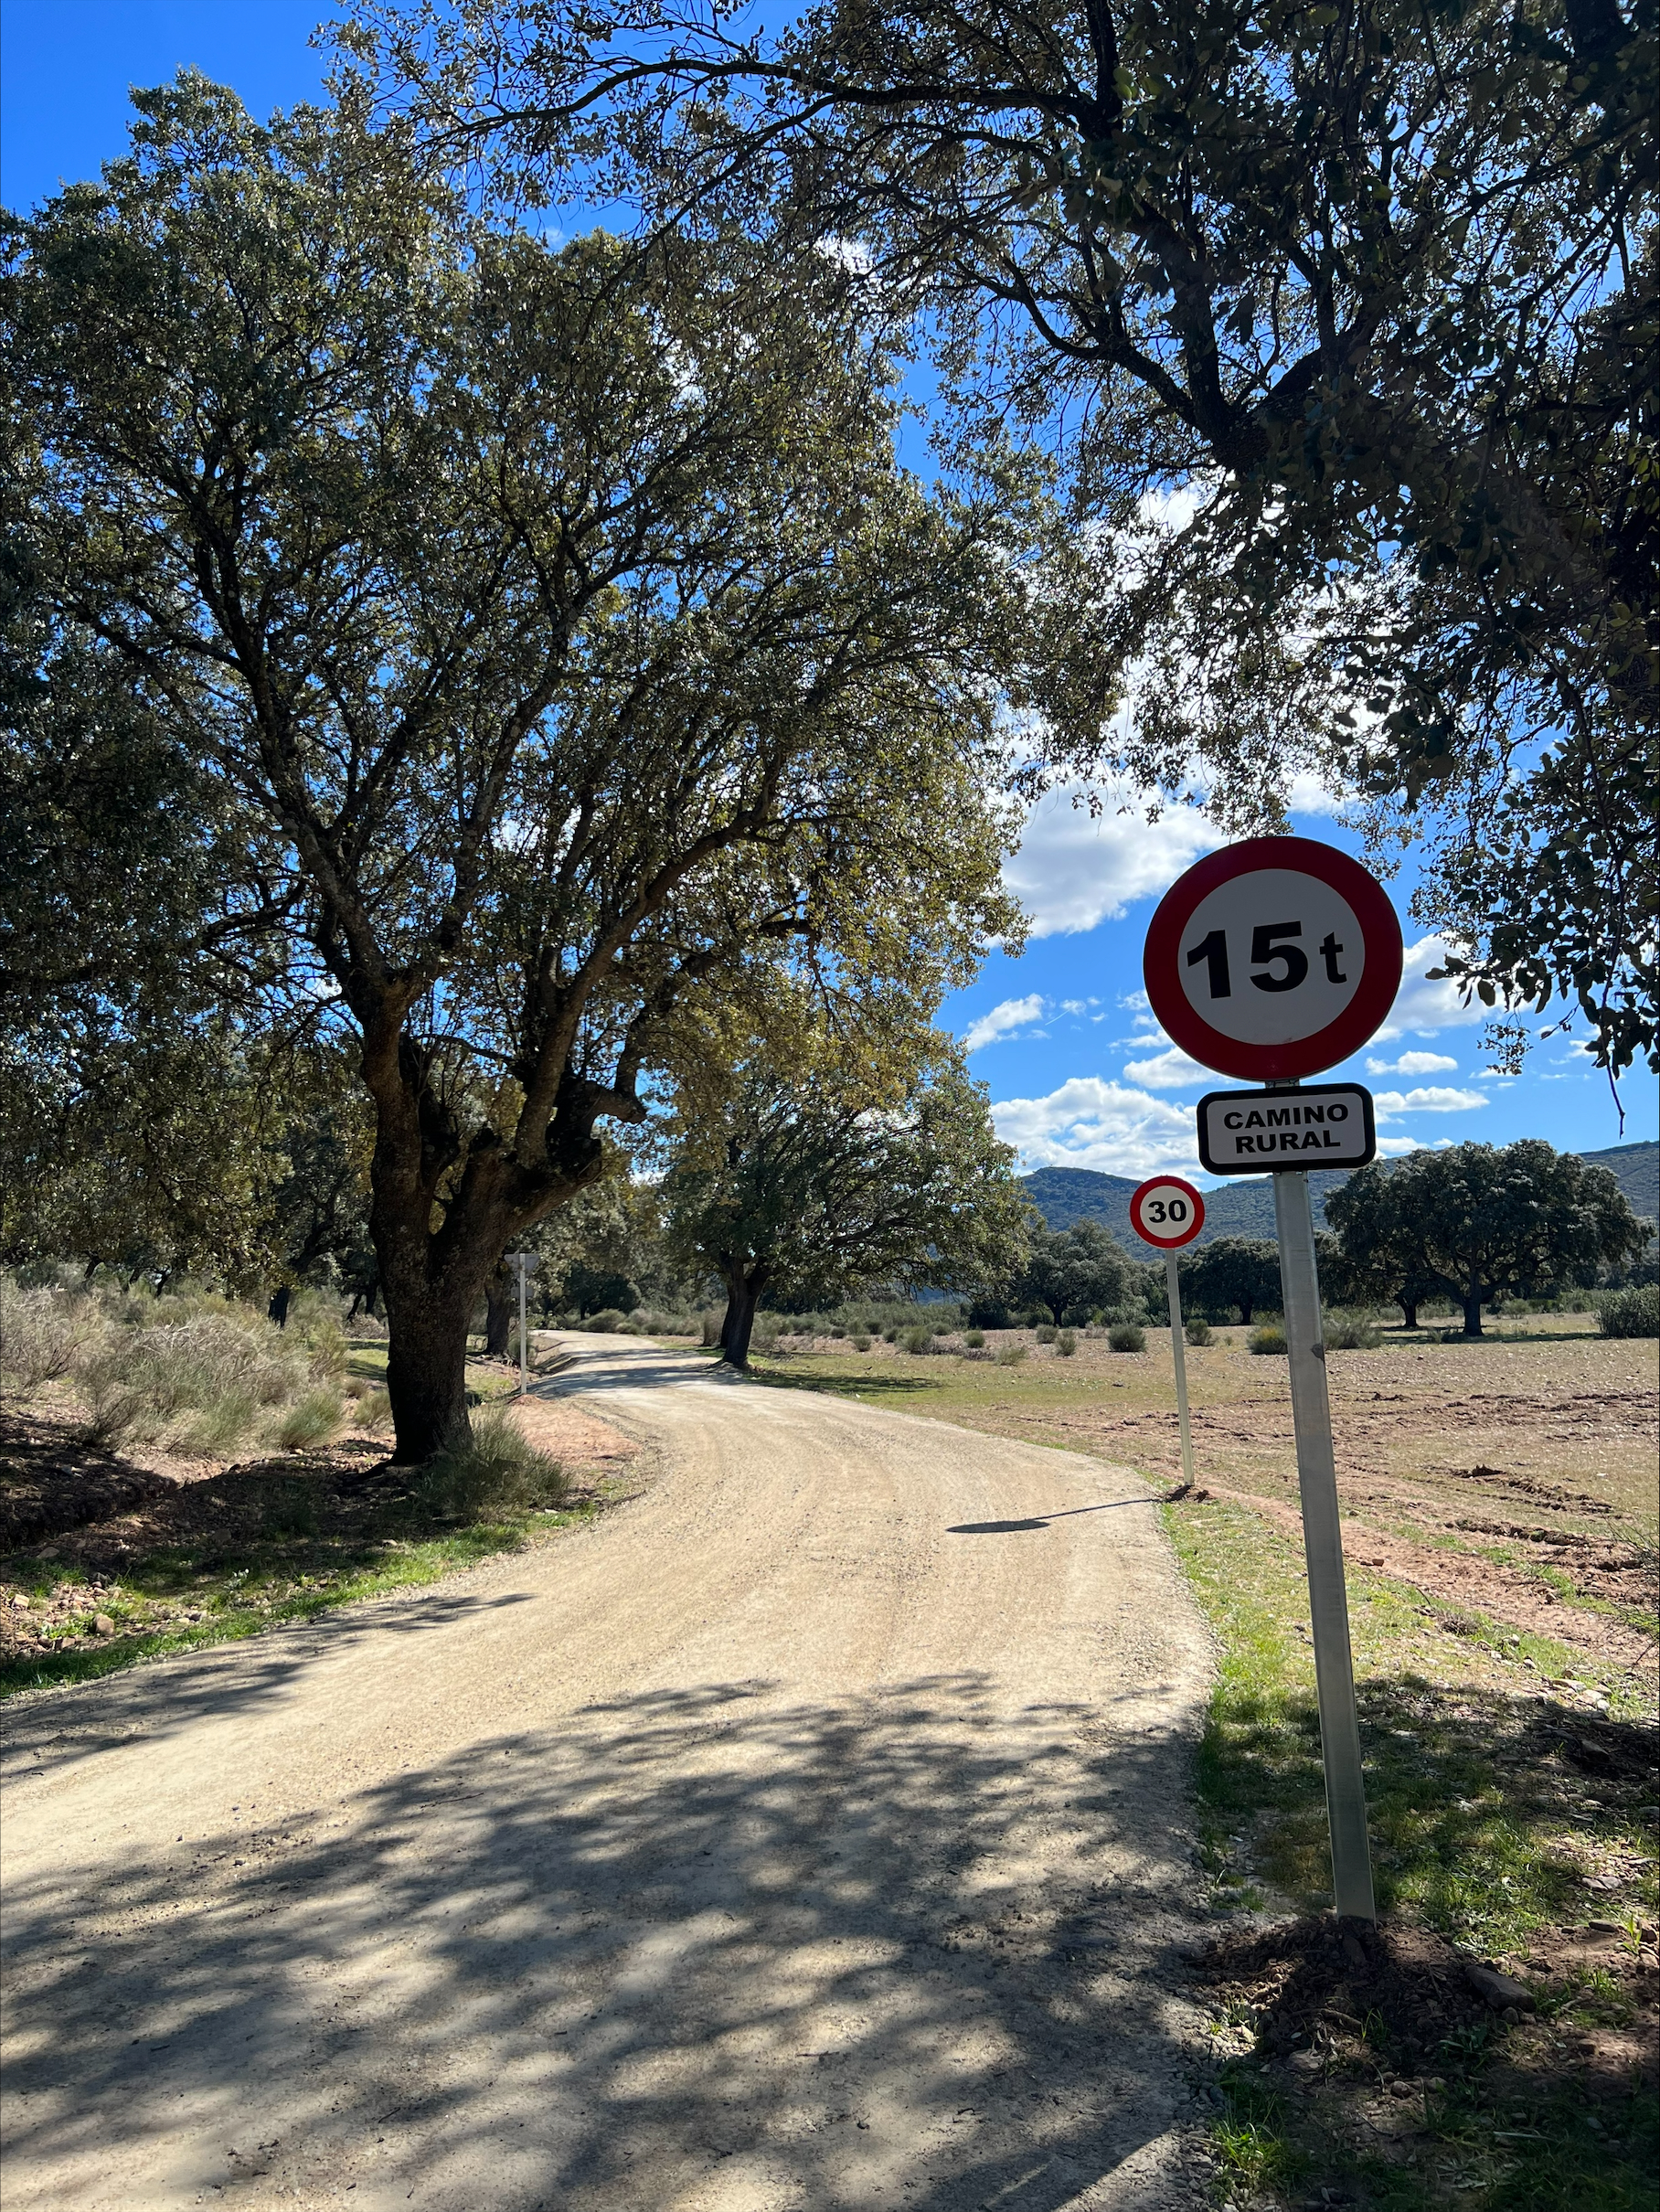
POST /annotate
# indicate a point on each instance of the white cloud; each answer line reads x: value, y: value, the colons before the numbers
x: 1091, y: 1123
x: 1437, y: 1099
x: 1392, y: 1148
x: 1423, y: 1006
x: 1004, y: 1020
x: 1171, y: 1070
x: 1074, y: 870
x: 1413, y: 1063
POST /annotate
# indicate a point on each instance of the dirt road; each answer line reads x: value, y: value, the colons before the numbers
x: 807, y: 1836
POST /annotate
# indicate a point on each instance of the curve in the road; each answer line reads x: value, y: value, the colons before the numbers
x: 807, y: 1836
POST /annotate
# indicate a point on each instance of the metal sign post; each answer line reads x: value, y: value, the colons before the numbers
x: 1311, y: 1415
x: 1270, y: 960
x: 1173, y: 1291
x: 1169, y: 1213
x: 525, y: 1263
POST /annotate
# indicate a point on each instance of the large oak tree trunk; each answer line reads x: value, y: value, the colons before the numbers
x: 1409, y: 1313
x: 1473, y: 1312
x: 743, y: 1294
x: 426, y: 1369
x: 498, y: 1314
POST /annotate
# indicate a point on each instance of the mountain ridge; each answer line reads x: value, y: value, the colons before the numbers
x: 1245, y: 1206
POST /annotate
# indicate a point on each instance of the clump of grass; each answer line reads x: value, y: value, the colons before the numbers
x: 311, y: 1421
x: 1631, y: 1312
x: 1011, y: 1356
x: 497, y: 1471
x: 1066, y: 1344
x: 40, y: 1331
x: 973, y: 1340
x: 1127, y: 1336
x: 918, y: 1340
x: 1197, y: 1332
x: 1045, y: 1333
x: 1350, y: 1332
x: 373, y: 1411
x: 1250, y: 2139
x: 1269, y: 1338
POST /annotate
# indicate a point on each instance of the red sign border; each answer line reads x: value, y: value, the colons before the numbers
x: 1360, y: 1019
x: 1167, y: 1244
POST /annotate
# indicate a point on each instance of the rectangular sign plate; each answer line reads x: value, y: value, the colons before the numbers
x: 1250, y: 1133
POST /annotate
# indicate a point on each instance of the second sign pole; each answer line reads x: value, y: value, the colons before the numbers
x: 1323, y: 1547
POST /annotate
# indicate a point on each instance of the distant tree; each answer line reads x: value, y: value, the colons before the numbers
x: 1077, y: 1272
x: 1478, y: 1222
x: 1241, y: 1271
x: 557, y: 613
x: 810, y: 1187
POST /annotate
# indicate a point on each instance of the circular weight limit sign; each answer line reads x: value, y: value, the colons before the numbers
x: 1167, y: 1212
x: 1273, y: 958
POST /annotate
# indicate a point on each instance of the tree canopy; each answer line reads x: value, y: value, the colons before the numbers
x: 1343, y: 317
x: 560, y: 616
x: 814, y: 1181
x: 1477, y: 1221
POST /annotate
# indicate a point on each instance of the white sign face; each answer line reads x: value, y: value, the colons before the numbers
x: 1250, y: 1133
x: 1270, y: 957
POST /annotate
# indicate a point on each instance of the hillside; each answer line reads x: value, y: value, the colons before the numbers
x: 1245, y: 1207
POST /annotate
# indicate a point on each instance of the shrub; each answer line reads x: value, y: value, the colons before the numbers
x: 311, y: 1421
x: 975, y: 1340
x: 40, y: 1331
x: 373, y: 1411
x: 1047, y: 1332
x: 1350, y: 1332
x: 1127, y: 1336
x: 1011, y: 1356
x: 1631, y: 1312
x: 1270, y: 1338
x: 861, y: 1343
x: 709, y: 1322
x: 614, y: 1322
x: 207, y: 1377
x: 918, y: 1340
x: 497, y: 1471
x: 890, y: 1336
x: 1197, y: 1332
x: 1066, y: 1344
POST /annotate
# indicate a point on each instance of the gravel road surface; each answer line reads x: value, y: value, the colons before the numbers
x: 808, y: 1834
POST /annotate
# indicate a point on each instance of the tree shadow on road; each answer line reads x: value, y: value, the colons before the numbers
x: 698, y: 1948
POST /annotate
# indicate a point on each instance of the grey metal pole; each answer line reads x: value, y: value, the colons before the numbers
x: 524, y: 1371
x: 1174, y: 1288
x: 1323, y: 1545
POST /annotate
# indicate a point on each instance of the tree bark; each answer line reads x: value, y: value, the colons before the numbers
x: 277, y: 1310
x: 743, y: 1294
x: 1408, y: 1312
x: 1247, y: 1307
x: 498, y: 1314
x: 1473, y: 1312
x: 426, y: 1369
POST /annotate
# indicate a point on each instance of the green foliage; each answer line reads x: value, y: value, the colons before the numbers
x: 1350, y: 1332
x: 585, y: 576
x: 1479, y: 1222
x: 1197, y: 1332
x: 1066, y: 1344
x: 1375, y: 286
x: 1075, y: 1274
x: 1631, y: 1312
x: 1269, y: 1339
x: 495, y: 1472
x: 1127, y: 1336
x: 1238, y: 1272
x: 975, y: 1340
x: 313, y: 1419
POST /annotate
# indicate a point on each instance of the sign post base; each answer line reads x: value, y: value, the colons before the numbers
x: 1323, y: 1546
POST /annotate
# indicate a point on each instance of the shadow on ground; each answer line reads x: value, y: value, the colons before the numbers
x: 693, y: 1948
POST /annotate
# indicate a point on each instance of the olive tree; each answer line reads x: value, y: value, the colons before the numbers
x: 558, y: 613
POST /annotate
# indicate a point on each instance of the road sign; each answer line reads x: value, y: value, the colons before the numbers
x: 1247, y: 1132
x: 1166, y: 1211
x: 1273, y: 958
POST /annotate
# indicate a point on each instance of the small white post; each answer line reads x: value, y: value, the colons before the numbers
x: 1173, y: 1286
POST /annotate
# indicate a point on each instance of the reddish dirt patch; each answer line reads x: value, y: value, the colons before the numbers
x: 568, y: 1433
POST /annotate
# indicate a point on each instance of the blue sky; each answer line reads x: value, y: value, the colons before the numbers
x: 1079, y: 1073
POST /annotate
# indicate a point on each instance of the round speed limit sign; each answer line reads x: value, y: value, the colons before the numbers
x: 1273, y: 958
x: 1166, y: 1211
